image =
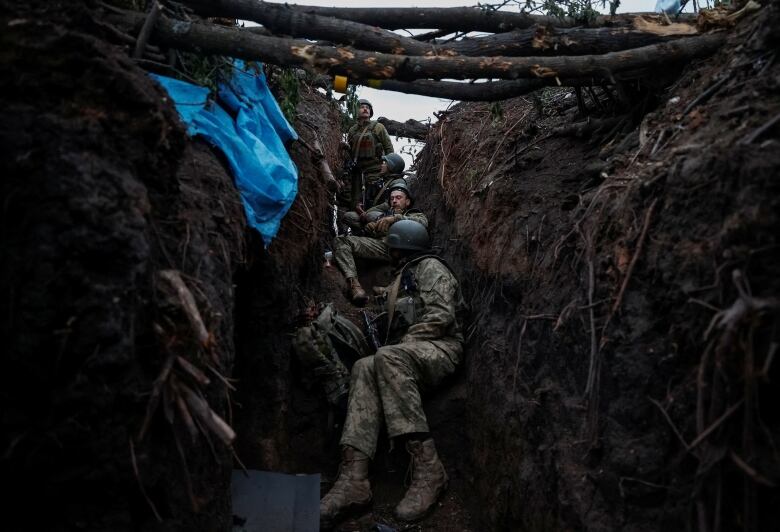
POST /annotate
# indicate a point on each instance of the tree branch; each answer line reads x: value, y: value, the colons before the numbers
x: 411, y: 129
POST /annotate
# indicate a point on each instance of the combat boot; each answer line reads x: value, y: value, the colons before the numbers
x: 429, y: 480
x: 356, y: 292
x: 351, y: 490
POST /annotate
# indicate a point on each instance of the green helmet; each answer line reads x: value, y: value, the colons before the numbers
x: 399, y: 184
x: 366, y: 102
x: 395, y: 163
x: 408, y: 234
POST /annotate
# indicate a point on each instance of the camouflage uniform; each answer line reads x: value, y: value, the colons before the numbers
x: 325, y: 349
x: 376, y: 208
x: 346, y: 248
x: 368, y: 142
x: 425, y: 344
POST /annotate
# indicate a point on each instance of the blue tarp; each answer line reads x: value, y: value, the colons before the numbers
x: 248, y: 126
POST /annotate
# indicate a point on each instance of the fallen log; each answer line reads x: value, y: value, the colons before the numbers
x: 489, y: 91
x: 411, y: 129
x: 280, y: 18
x: 546, y: 40
x: 457, y: 18
x: 209, y: 39
x: 541, y: 40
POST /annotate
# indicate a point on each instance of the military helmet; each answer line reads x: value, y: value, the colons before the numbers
x: 399, y: 184
x: 366, y: 102
x: 408, y: 234
x: 395, y: 163
x: 370, y: 107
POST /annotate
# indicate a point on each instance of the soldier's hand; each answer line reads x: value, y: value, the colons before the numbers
x: 371, y: 227
x: 383, y: 225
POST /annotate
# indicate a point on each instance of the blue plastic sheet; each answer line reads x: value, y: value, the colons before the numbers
x: 250, y: 129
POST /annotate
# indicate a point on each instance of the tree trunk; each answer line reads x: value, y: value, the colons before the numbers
x: 232, y: 42
x: 546, y: 40
x: 475, y: 92
x: 287, y: 20
x: 458, y: 18
x: 411, y: 129
x: 542, y: 40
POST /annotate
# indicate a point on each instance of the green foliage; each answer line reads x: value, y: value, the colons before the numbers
x: 206, y: 70
x: 290, y: 87
x: 580, y: 10
x: 496, y: 112
x: 349, y: 108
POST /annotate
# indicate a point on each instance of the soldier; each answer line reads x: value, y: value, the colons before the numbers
x: 326, y: 347
x: 368, y: 142
x: 424, y: 344
x: 392, y: 169
x: 347, y: 248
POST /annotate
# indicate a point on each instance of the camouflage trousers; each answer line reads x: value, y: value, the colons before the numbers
x: 386, y: 387
x: 346, y: 248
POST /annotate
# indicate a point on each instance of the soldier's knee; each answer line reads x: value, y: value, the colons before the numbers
x: 387, y: 360
x: 363, y: 366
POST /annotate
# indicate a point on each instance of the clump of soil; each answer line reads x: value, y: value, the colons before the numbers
x: 625, y: 300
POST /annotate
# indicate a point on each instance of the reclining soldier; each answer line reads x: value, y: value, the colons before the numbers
x: 424, y: 344
x: 392, y: 169
x: 346, y: 247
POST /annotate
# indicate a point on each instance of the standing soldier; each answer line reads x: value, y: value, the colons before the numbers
x: 424, y: 344
x: 368, y: 142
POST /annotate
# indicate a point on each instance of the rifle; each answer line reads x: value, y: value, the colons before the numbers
x: 372, y: 331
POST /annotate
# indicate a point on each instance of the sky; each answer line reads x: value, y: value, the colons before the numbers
x: 401, y: 107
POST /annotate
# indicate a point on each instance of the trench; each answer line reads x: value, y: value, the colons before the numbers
x: 623, y: 285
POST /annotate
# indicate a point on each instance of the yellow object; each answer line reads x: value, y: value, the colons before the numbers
x: 340, y: 84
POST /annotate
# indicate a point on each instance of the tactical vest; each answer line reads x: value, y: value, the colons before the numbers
x: 365, y: 142
x: 408, y: 301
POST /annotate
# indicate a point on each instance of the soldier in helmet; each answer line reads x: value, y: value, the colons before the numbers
x: 424, y: 344
x: 347, y: 247
x: 391, y: 170
x: 368, y: 141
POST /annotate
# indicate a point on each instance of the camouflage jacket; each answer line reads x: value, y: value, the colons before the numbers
x: 380, y: 211
x: 429, y: 306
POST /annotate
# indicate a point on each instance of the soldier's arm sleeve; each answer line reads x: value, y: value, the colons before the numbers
x: 384, y: 138
x: 417, y: 217
x: 382, y: 207
x: 438, y: 290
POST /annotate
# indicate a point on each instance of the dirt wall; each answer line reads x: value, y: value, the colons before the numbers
x: 609, y: 282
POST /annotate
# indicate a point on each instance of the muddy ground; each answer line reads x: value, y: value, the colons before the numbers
x: 623, y: 285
